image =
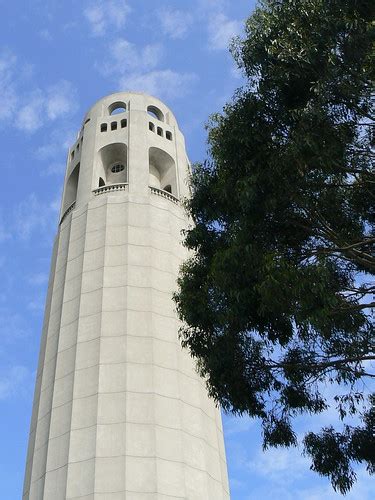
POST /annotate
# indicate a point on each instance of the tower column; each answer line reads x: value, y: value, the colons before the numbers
x: 119, y: 410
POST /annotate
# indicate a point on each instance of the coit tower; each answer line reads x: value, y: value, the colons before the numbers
x: 119, y: 411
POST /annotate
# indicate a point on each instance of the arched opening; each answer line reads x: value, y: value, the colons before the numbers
x: 168, y: 135
x: 151, y: 126
x: 155, y: 113
x: 101, y: 182
x: 103, y: 127
x: 71, y: 188
x: 162, y: 171
x: 160, y: 131
x: 116, y: 108
x: 113, y: 164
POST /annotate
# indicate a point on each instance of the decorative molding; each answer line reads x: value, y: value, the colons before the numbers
x: 67, y: 211
x: 164, y: 194
x: 111, y: 187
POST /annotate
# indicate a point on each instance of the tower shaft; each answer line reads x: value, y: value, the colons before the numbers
x: 119, y: 411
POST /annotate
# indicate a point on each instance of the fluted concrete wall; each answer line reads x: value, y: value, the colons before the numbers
x: 119, y: 411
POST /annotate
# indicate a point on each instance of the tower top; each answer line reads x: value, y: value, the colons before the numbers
x: 113, y: 103
x: 131, y: 142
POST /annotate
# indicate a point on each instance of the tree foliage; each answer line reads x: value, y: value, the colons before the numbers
x: 277, y: 296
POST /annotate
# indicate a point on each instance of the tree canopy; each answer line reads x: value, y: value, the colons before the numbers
x: 276, y: 298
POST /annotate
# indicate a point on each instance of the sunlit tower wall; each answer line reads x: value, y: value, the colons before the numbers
x: 119, y: 411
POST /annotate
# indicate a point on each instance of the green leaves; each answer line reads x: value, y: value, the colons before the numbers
x: 284, y: 215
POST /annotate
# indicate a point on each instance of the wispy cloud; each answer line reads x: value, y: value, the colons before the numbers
x: 53, y: 169
x: 13, y: 327
x: 175, y: 23
x: 220, y: 31
x: 105, y: 15
x: 38, y: 279
x: 34, y: 216
x: 51, y: 156
x: 12, y: 381
x: 136, y: 69
x: 166, y: 84
x: 276, y: 462
x: 29, y: 107
x: 8, y: 97
x: 125, y: 57
x: 41, y: 106
x: 5, y: 234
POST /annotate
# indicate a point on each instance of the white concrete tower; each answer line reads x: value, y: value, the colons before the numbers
x: 119, y: 412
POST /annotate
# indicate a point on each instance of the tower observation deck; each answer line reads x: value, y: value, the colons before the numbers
x: 119, y: 411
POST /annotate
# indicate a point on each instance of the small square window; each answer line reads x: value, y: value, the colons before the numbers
x: 103, y: 127
x: 168, y: 135
x: 124, y: 123
x: 114, y: 126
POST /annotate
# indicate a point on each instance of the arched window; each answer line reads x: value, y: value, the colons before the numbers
x: 116, y: 108
x: 112, y: 165
x: 160, y: 131
x: 151, y: 126
x: 103, y: 127
x: 71, y: 188
x: 114, y: 126
x: 162, y: 170
x: 124, y: 123
x: 155, y: 113
x: 168, y: 135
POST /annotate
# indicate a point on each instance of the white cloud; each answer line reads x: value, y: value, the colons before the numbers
x: 275, y: 463
x: 166, y: 84
x: 125, y: 56
x: 43, y: 106
x: 105, y: 15
x: 136, y: 70
x: 234, y: 425
x: 175, y: 23
x: 54, y: 169
x: 220, y: 31
x: 13, y: 381
x: 30, y: 116
x: 13, y: 327
x: 30, y: 109
x: 8, y: 97
x: 32, y: 215
x: 37, y: 304
x: 45, y: 34
x: 212, y: 5
x: 58, y: 143
x: 38, y: 279
x: 4, y: 233
x: 61, y: 100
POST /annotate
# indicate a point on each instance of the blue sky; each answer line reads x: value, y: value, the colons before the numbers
x: 56, y: 59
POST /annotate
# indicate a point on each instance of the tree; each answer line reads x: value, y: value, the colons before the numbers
x: 276, y: 298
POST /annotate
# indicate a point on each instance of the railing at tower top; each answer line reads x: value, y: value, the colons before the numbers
x: 67, y: 211
x: 123, y: 186
x: 164, y: 194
